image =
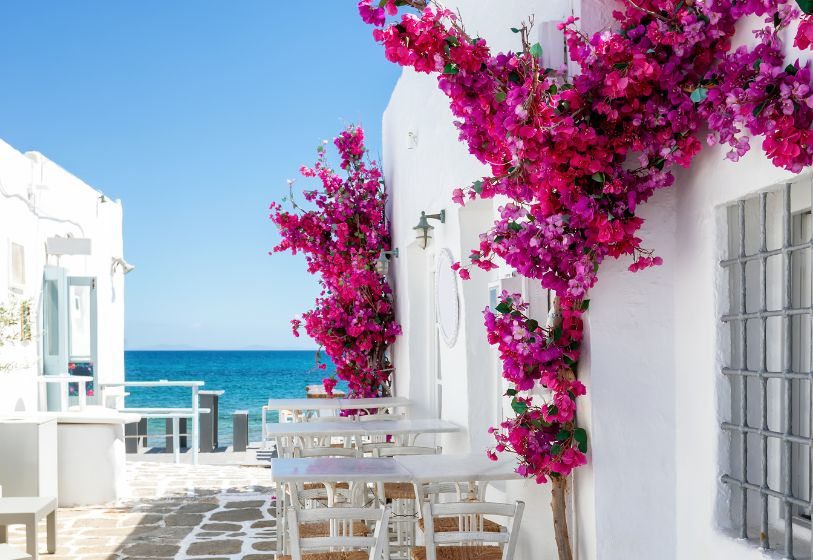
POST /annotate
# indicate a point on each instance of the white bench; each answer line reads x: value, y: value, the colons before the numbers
x: 9, y: 553
x: 29, y: 512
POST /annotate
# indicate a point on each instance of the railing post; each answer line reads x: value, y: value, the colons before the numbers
x: 195, y: 425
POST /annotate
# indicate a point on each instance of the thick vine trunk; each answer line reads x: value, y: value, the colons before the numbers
x: 558, y: 504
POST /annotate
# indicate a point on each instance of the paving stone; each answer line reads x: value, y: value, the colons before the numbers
x: 237, y: 515
x: 223, y: 526
x: 264, y: 523
x: 264, y: 546
x: 214, y: 547
x: 245, y: 504
x: 197, y: 507
x: 183, y: 519
x: 153, y: 550
x: 258, y: 557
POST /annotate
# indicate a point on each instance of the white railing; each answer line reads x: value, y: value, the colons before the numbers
x: 194, y: 412
x: 63, y: 381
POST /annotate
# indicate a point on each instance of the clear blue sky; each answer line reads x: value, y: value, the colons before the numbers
x: 194, y: 113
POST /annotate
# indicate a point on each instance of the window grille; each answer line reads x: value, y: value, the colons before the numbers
x: 768, y: 367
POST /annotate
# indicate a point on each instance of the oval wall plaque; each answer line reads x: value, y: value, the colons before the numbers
x: 447, y: 304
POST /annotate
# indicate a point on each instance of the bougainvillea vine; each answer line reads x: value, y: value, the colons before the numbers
x: 575, y: 156
x: 341, y: 235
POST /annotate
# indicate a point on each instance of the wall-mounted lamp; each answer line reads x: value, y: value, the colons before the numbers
x: 382, y: 264
x: 423, y: 230
x: 119, y: 262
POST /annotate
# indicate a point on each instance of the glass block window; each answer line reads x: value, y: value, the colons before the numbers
x: 768, y: 367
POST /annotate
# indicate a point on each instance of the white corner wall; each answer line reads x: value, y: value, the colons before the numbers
x: 38, y: 200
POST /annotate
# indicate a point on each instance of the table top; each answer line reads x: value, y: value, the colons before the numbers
x: 457, y: 468
x: 336, y: 404
x: 23, y: 506
x: 337, y: 469
x: 351, y: 428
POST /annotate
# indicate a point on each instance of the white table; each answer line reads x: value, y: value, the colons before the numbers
x: 405, y: 427
x: 9, y: 553
x: 193, y: 385
x: 457, y: 468
x: 329, y: 470
x: 374, y: 427
x: 28, y: 512
x: 337, y: 404
x: 476, y: 469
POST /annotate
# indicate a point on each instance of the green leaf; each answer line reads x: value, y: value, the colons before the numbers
x: 532, y: 324
x: 553, y: 90
x: 580, y: 435
x: 519, y: 406
x: 777, y: 21
x: 555, y: 449
x: 791, y: 69
x: 598, y: 177
x: 514, y: 77
x: 806, y: 6
x: 450, y: 68
x: 557, y: 333
x: 513, y: 226
x: 500, y: 96
x: 452, y: 41
x: 699, y: 94
x: 583, y: 447
x: 510, y: 392
x: 585, y: 304
x: 514, y: 30
x: 621, y: 65
x: 503, y: 307
x: 562, y: 435
x: 477, y: 187
x: 759, y: 108
x: 758, y: 62
x: 536, y: 50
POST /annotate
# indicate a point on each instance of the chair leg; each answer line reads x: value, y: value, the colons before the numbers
x: 51, y: 525
x: 3, y: 534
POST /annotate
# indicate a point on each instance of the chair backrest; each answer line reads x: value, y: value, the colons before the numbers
x: 402, y: 450
x: 341, y: 519
x: 379, y: 416
x: 472, y: 514
x: 300, y: 452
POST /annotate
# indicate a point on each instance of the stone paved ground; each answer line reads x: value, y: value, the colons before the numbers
x: 200, y: 512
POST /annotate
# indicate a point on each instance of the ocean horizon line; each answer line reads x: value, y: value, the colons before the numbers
x: 184, y: 349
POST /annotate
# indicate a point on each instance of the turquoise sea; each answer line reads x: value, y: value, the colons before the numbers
x: 249, y: 379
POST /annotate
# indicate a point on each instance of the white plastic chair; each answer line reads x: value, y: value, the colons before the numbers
x: 342, y: 544
x: 472, y: 541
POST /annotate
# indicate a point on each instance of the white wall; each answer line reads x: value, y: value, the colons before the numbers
x: 653, y: 345
x: 38, y: 200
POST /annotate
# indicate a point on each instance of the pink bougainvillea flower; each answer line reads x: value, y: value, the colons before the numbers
x: 804, y: 35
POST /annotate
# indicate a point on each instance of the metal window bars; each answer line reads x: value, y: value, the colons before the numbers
x: 738, y: 377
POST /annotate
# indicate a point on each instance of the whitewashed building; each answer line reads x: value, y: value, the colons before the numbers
x: 61, y: 280
x: 665, y: 358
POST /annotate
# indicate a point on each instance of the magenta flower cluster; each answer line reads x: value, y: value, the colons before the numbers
x: 341, y: 234
x: 575, y: 157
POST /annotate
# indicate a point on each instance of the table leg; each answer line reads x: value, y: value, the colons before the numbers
x: 51, y: 525
x: 31, y: 538
x: 3, y: 535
